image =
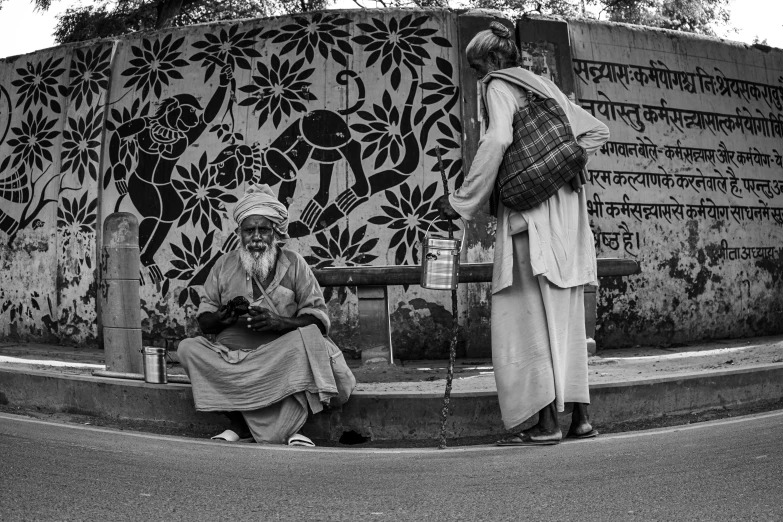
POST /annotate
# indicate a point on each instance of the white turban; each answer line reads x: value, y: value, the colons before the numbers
x: 259, y: 200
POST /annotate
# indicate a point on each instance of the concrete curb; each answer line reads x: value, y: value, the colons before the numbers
x: 390, y: 416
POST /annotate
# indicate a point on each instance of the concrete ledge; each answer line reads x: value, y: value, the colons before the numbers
x: 390, y: 416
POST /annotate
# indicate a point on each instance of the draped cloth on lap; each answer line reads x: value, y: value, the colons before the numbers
x: 245, y: 380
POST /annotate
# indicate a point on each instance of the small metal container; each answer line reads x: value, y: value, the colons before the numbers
x: 154, y: 364
x: 440, y: 263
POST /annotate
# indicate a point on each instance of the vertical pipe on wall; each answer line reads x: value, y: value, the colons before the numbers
x: 119, y: 293
x: 101, y: 170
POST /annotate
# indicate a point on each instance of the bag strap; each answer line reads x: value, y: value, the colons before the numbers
x: 266, y: 295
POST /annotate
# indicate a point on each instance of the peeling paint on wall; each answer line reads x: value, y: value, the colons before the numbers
x: 51, y: 121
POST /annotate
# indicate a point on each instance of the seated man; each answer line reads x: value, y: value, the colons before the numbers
x: 271, y: 360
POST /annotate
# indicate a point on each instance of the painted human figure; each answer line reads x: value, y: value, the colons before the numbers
x: 160, y: 141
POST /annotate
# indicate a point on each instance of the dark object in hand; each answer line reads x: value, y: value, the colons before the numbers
x: 239, y: 304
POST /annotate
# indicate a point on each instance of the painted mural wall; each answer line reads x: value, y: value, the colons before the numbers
x: 690, y: 185
x: 340, y: 112
x: 51, y: 118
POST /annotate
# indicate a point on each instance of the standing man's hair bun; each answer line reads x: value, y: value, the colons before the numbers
x: 500, y: 30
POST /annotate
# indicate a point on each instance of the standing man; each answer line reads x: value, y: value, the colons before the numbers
x: 271, y: 361
x: 543, y: 256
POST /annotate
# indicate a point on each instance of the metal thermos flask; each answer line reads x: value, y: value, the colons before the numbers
x: 154, y: 364
x: 440, y: 263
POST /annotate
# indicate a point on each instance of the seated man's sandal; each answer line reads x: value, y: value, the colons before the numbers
x: 231, y: 436
x: 300, y: 440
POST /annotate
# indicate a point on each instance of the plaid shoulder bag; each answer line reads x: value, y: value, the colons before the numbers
x: 543, y: 156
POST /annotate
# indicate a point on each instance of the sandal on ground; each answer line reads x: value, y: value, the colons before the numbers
x: 589, y: 435
x: 524, y: 439
x: 231, y: 436
x: 300, y: 440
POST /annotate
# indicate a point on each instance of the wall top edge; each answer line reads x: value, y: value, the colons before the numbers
x: 671, y: 33
x: 62, y: 47
x: 532, y: 17
x: 219, y: 23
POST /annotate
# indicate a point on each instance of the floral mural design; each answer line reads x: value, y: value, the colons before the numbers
x: 278, y: 89
x: 204, y: 199
x: 89, y: 75
x: 81, y: 141
x: 382, y: 131
x: 321, y: 32
x: 398, y: 43
x: 187, y: 260
x: 154, y: 65
x: 442, y: 83
x: 33, y: 140
x: 227, y: 47
x: 39, y: 84
x: 195, y: 147
x: 411, y: 215
x: 76, y: 217
x: 32, y: 177
x: 442, y: 89
x: 337, y: 248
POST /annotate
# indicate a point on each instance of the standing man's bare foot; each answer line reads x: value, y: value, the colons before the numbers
x: 545, y: 433
x: 580, y: 423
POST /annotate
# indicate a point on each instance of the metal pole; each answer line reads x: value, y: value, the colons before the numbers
x: 119, y: 293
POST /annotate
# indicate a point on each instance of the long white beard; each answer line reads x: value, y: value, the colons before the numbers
x: 260, y: 264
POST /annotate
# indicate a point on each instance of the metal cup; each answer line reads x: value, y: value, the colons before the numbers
x: 440, y: 263
x: 154, y: 364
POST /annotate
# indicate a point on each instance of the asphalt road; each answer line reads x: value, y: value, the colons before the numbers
x: 723, y: 470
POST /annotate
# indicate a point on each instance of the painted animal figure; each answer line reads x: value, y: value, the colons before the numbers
x: 323, y: 136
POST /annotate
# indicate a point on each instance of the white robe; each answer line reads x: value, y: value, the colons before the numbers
x: 542, y: 259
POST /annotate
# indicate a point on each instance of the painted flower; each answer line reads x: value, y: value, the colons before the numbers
x: 154, y: 64
x: 37, y: 83
x: 32, y: 140
x: 442, y: 84
x: 90, y: 71
x: 76, y: 216
x: 80, y: 145
x: 188, y: 259
x: 399, y: 43
x: 337, y: 248
x: 204, y: 199
x: 411, y: 215
x: 382, y: 131
x: 278, y: 90
x: 231, y: 47
x: 319, y: 32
